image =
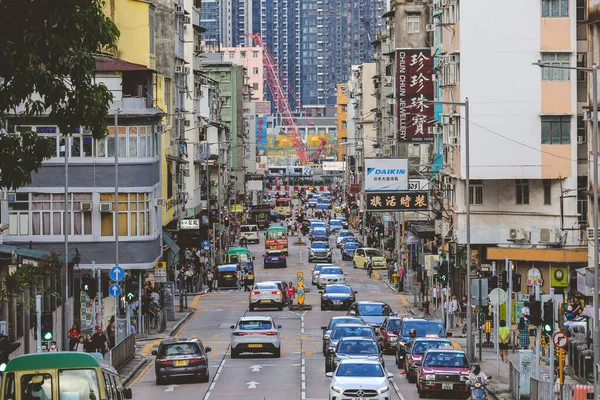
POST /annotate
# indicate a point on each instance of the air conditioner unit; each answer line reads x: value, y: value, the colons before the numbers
x: 105, y: 207
x: 178, y: 69
x: 85, y: 206
x: 587, y: 116
x: 186, y: 70
x: 580, y: 140
x: 159, y: 202
x: 454, y: 140
x: 518, y: 234
x: 181, y: 187
x: 452, y: 58
x: 445, y: 119
x: 547, y: 236
x: 160, y: 129
x: 186, y: 19
x: 178, y: 8
x: 430, y: 27
x: 435, y: 77
x: 590, y: 233
x: 198, y: 48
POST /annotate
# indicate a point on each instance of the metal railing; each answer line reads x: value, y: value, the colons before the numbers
x: 540, y: 389
x: 122, y: 352
x: 514, y: 381
x: 151, y: 325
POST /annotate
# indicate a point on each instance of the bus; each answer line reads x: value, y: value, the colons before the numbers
x: 284, y: 206
x: 62, y: 375
x: 260, y: 215
x: 276, y: 238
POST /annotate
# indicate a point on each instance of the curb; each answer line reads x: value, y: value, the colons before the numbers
x: 180, y: 323
x: 135, y: 369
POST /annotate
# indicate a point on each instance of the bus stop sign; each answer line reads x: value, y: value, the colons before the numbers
x: 300, y: 279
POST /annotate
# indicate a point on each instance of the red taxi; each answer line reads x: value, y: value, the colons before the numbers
x: 389, y: 333
x: 443, y: 370
x: 414, y: 356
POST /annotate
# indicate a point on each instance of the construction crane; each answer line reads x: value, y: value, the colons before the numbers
x: 275, y: 82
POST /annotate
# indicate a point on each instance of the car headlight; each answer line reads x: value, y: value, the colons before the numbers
x: 336, y: 389
x: 383, y: 389
x: 430, y: 377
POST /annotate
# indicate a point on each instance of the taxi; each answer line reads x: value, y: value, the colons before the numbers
x: 443, y: 370
x: 415, y: 355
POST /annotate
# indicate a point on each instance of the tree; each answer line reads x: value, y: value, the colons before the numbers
x: 48, y: 61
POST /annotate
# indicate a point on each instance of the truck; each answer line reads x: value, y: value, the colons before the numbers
x: 260, y: 215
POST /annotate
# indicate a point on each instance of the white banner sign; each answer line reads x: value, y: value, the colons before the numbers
x: 386, y: 174
x: 334, y: 165
x: 189, y: 224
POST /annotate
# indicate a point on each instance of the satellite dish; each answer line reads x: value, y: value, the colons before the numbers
x: 497, y: 297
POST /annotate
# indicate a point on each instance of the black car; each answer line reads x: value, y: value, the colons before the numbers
x: 355, y: 347
x: 275, y: 259
x: 372, y: 312
x: 425, y: 328
x: 181, y: 358
x: 227, y: 275
x: 333, y: 322
x: 337, y: 296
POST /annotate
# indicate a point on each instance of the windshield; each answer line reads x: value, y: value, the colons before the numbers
x: 344, y: 233
x: 423, y: 328
x: 254, y: 325
x: 282, y: 202
x: 358, y: 347
x: 370, y: 309
x: 337, y: 289
x: 317, y: 224
x: 36, y: 386
x: 421, y: 346
x: 362, y: 370
x: 319, y: 245
x: 319, y: 232
x: 265, y: 286
x: 393, y: 325
x: 335, y: 222
x: 331, y: 271
x: 334, y: 322
x: 232, y: 268
x: 344, y: 331
x: 373, y: 253
x: 439, y: 359
x: 318, y: 267
x: 179, y: 349
x: 351, y: 246
x: 248, y: 228
x: 278, y: 234
x: 78, y: 384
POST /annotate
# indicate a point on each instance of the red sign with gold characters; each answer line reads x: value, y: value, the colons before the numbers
x: 397, y: 201
x: 414, y: 95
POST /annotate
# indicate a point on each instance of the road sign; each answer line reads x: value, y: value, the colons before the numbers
x: 300, y: 295
x: 560, y: 339
x: 160, y: 272
x: 160, y: 265
x: 114, y: 290
x: 116, y: 273
x: 205, y: 244
x: 497, y: 296
x: 300, y: 279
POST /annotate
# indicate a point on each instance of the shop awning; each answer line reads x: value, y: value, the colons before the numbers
x: 542, y: 255
x: 173, y: 248
x: 31, y: 254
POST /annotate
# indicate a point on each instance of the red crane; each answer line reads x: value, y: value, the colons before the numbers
x: 274, y: 80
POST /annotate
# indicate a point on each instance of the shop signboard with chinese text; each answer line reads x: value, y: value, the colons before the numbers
x: 414, y: 95
x: 261, y: 136
x: 189, y: 224
x: 397, y: 201
x: 386, y: 174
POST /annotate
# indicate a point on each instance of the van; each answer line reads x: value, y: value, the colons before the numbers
x: 250, y: 232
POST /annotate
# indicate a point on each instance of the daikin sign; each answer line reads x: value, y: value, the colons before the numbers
x: 386, y: 174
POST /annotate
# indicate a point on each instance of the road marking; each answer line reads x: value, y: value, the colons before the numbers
x: 252, y: 385
x: 255, y: 368
x: 303, y: 380
x: 300, y: 257
x: 195, y: 301
x: 147, y: 349
x: 142, y: 374
x: 171, y: 388
x: 216, y: 377
x: 404, y: 300
x: 376, y: 273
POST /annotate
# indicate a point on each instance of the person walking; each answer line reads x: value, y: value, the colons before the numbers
x: 503, y: 336
x: 79, y: 346
x: 452, y: 308
x: 209, y: 280
x: 291, y: 293
x: 89, y: 346
x: 370, y: 266
x: 216, y: 284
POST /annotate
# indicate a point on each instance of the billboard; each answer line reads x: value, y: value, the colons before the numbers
x: 396, y: 201
x: 261, y: 136
x: 263, y: 107
x: 414, y: 95
x: 386, y: 174
x: 334, y: 165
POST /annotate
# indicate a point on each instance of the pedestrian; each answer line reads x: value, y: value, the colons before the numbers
x: 238, y: 277
x: 110, y: 332
x: 216, y: 285
x: 73, y: 335
x: 452, y: 308
x: 79, y: 346
x: 434, y: 293
x: 189, y: 279
x: 291, y: 293
x: 100, y: 341
x: 503, y: 336
x: 370, y: 266
x: 209, y: 280
x: 53, y: 348
x: 88, y: 344
x: 523, y: 329
x: 245, y: 279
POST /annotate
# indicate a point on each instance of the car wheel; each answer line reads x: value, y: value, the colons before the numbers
x: 277, y: 353
x: 397, y: 362
x: 159, y: 381
x: 422, y: 394
x: 323, y: 307
x: 353, y: 264
x: 411, y: 379
x: 327, y: 366
x: 234, y: 354
x: 280, y: 307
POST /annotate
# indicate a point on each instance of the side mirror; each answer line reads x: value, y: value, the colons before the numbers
x: 329, y: 374
x: 278, y: 326
x: 390, y: 375
x: 232, y: 327
x: 323, y: 328
x: 489, y: 377
x: 326, y: 337
x: 351, y: 312
x: 355, y: 292
x: 207, y: 349
x: 127, y: 393
x: 448, y: 334
x: 320, y: 291
x: 154, y: 352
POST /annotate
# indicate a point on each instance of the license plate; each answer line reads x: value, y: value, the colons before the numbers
x: 254, y: 346
x: 358, y: 398
x: 273, y: 247
x: 337, y: 302
x: 181, y: 363
x: 228, y: 276
x: 447, y: 386
x: 265, y: 301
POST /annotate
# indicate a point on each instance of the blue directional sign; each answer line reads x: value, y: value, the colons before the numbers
x: 117, y: 273
x: 114, y: 290
x: 205, y: 244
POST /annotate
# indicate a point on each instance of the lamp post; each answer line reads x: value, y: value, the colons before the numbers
x: 594, y: 71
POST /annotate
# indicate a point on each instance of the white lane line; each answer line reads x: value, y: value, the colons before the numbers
x: 303, y: 380
x: 216, y: 377
x: 212, y: 386
x: 300, y: 257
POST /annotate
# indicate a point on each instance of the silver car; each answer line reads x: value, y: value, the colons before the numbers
x: 331, y: 275
x: 317, y: 270
x: 360, y: 378
x: 266, y: 295
x: 255, y: 334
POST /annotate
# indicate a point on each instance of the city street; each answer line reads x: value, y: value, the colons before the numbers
x: 300, y: 372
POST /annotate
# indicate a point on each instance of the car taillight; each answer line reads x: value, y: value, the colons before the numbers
x: 276, y: 292
x: 239, y: 333
x: 271, y: 333
x: 219, y: 274
x: 282, y: 257
x: 164, y: 362
x: 255, y: 293
x: 197, y: 359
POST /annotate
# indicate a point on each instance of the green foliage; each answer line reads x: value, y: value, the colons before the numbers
x: 33, y: 277
x: 49, y: 48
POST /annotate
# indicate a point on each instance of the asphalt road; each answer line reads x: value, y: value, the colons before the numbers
x: 300, y: 372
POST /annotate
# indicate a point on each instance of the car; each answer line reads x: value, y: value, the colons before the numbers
x: 250, y: 233
x: 329, y: 275
x: 275, y: 258
x: 316, y: 271
x: 276, y: 217
x: 355, y: 348
x: 326, y: 201
x: 320, y: 251
x: 342, y: 319
x: 317, y: 223
x: 390, y: 328
x: 360, y: 379
x: 350, y: 239
x: 266, y: 295
x: 344, y: 222
x: 322, y: 207
x: 443, y: 370
x: 255, y: 334
x: 372, y: 312
x: 342, y: 234
x: 335, y: 225
x: 312, y: 202
x: 362, y: 254
x: 347, y: 330
x: 415, y: 355
x: 178, y: 357
x: 319, y: 235
x: 348, y: 250
x: 425, y: 328
x: 337, y: 296
x: 227, y: 275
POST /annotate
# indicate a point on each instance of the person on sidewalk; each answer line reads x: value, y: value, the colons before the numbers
x: 216, y: 285
x: 370, y: 266
x: 434, y: 294
x: 452, y: 308
x: 503, y: 335
x: 79, y: 346
x: 523, y: 329
x: 209, y: 280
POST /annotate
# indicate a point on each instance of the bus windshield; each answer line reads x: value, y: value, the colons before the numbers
x: 282, y: 202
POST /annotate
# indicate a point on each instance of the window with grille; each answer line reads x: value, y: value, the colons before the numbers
x: 555, y: 8
x: 557, y: 59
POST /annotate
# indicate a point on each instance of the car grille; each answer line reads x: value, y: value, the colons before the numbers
x: 447, y: 378
x: 360, y: 393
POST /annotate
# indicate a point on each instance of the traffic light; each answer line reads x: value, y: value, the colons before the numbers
x: 300, y: 217
x: 89, y: 285
x: 535, y: 312
x: 131, y: 288
x: 492, y: 283
x: 47, y: 326
x: 505, y: 280
x: 6, y: 348
x: 516, y: 282
x: 226, y: 221
x: 548, y: 323
x: 443, y: 272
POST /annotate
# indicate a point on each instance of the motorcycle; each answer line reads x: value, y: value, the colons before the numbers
x: 478, y: 390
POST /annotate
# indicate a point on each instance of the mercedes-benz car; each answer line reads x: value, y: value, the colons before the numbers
x: 320, y: 251
x: 355, y: 348
x: 415, y: 355
x: 360, y: 379
x: 443, y: 370
x: 319, y: 235
x: 255, y: 334
x: 337, y: 296
x: 330, y: 275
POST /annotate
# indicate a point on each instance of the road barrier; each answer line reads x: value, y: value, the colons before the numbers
x: 123, y: 352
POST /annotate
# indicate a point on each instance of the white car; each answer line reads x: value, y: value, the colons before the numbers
x: 250, y: 232
x: 331, y: 275
x: 316, y: 271
x: 360, y: 379
x: 342, y: 234
x: 255, y: 335
x: 266, y: 295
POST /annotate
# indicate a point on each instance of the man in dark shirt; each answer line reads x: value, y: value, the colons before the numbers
x: 100, y: 341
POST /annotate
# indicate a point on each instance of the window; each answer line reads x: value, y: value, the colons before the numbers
x: 522, y: 186
x: 231, y: 54
x: 555, y: 8
x: 134, y: 214
x: 255, y: 70
x: 18, y: 215
x: 547, y: 192
x: 581, y: 10
x: 412, y: 23
x: 134, y: 141
x: 243, y: 54
x: 555, y: 74
x: 581, y: 130
x: 9, y: 386
x: 36, y: 386
x: 581, y: 62
x: 48, y: 213
x: 255, y: 86
x: 556, y: 129
x: 255, y: 54
x: 168, y: 99
x: 476, y: 192
x: 78, y: 384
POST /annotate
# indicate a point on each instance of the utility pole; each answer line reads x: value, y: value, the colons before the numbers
x: 116, y: 205
x: 552, y: 377
x: 66, y: 227
x: 538, y: 337
x: 509, y: 294
x: 38, y: 321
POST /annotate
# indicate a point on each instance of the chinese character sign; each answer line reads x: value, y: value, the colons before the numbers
x: 397, y: 201
x: 261, y: 136
x: 263, y: 107
x: 414, y: 95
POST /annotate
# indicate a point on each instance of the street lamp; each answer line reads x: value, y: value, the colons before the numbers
x: 594, y: 71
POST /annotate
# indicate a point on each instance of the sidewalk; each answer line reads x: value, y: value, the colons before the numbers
x: 145, y: 345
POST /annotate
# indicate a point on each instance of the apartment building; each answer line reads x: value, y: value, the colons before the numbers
x: 251, y: 58
x: 342, y: 120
